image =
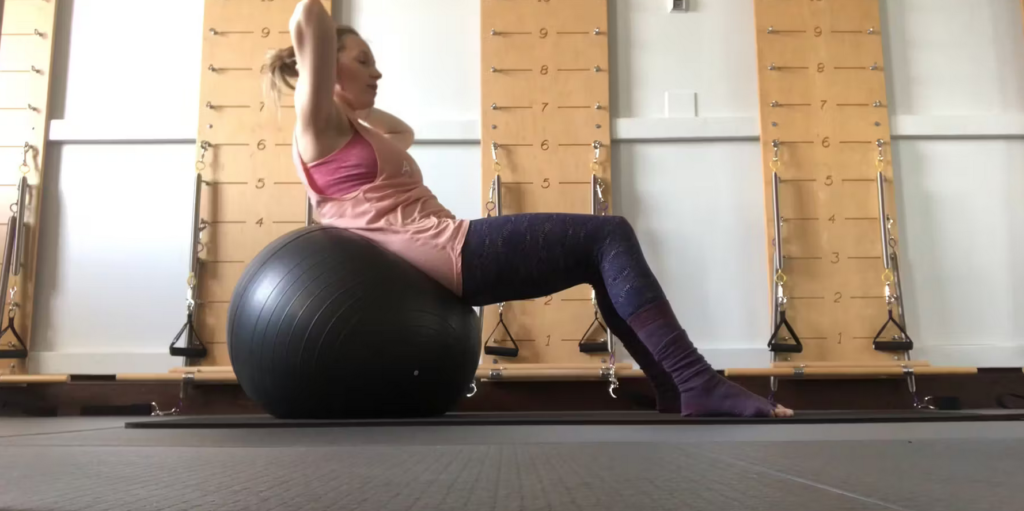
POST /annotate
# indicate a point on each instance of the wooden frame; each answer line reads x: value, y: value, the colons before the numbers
x: 244, y: 142
x: 26, y: 56
x: 822, y: 96
x: 545, y: 96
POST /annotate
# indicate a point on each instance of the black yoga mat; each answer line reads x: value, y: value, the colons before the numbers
x: 574, y: 419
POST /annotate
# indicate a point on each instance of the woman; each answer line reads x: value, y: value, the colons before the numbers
x: 353, y: 160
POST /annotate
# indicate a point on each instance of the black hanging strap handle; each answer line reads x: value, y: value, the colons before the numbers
x: 774, y: 344
x: 19, y: 351
x: 600, y: 346
x: 501, y: 351
x: 881, y: 345
x: 190, y: 350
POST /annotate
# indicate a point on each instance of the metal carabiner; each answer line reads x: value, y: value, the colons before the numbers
x: 494, y: 154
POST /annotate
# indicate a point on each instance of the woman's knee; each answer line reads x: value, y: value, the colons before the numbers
x: 619, y: 229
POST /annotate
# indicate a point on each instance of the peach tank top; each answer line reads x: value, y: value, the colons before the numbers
x: 395, y: 210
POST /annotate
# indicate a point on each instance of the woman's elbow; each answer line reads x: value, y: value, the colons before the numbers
x: 405, y: 139
x: 307, y: 13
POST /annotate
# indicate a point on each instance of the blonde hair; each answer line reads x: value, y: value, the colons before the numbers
x: 282, y: 68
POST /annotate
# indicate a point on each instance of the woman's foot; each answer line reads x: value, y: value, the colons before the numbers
x: 715, y: 396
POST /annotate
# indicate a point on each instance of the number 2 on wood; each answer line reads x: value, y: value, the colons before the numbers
x: 548, y: 301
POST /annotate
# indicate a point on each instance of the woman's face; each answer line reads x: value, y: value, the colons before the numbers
x: 357, y: 74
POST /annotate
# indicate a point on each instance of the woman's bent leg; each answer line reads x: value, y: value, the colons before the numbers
x: 664, y: 387
x: 526, y: 256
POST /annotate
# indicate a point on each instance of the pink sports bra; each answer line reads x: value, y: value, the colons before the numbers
x: 348, y: 169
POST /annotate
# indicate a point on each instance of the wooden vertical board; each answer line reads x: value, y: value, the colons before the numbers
x: 545, y: 103
x: 26, y: 52
x: 822, y: 95
x: 252, y: 193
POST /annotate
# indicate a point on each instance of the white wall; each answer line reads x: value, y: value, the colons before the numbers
x: 691, y: 186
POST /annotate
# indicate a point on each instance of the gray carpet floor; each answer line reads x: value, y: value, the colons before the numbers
x: 95, y: 464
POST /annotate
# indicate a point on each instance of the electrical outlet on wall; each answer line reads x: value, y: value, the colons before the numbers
x: 678, y: 5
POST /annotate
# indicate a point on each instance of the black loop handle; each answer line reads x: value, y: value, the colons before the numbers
x: 19, y: 352
x: 881, y: 345
x: 190, y: 350
x: 601, y: 346
x: 501, y: 351
x: 784, y: 347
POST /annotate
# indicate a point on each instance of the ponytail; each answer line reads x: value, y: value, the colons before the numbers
x: 283, y: 69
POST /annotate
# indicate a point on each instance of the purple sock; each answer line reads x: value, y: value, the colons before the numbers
x: 702, y: 391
